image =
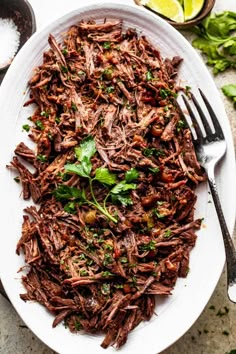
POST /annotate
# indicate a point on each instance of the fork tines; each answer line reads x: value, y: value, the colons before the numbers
x: 210, y: 134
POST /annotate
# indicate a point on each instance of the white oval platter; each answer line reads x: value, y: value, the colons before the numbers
x: 176, y: 313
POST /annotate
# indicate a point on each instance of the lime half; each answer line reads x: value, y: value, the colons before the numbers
x: 171, y: 9
x: 192, y: 8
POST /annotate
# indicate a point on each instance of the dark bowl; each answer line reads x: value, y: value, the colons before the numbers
x: 205, y: 11
x: 21, y: 12
x: 207, y: 7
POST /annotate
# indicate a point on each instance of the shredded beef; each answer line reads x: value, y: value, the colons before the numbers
x: 95, y: 273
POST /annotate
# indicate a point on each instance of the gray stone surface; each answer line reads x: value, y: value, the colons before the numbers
x: 214, y: 331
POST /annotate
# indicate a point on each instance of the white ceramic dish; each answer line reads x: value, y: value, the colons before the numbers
x: 176, y: 313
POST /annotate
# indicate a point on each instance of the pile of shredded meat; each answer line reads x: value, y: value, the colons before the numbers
x: 114, y: 173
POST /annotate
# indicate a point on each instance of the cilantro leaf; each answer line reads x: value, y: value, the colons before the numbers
x: 86, y: 149
x: 124, y: 199
x: 83, y: 169
x: 216, y: 39
x: 122, y: 187
x: 131, y: 175
x: 63, y: 192
x: 154, y: 169
x: 26, y: 127
x: 220, y: 25
x: 153, y: 152
x: 84, y: 153
x: 70, y: 207
x: 103, y: 175
x: 230, y: 91
x: 149, y: 76
x: 150, y: 246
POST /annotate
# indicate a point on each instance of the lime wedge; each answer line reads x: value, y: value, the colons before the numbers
x: 171, y: 9
x: 192, y: 8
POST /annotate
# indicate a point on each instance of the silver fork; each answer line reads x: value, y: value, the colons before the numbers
x: 210, y: 148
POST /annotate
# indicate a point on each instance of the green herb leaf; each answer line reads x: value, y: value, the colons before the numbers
x: 64, y: 69
x: 164, y: 93
x: 216, y: 39
x: 63, y: 192
x: 221, y: 25
x: 105, y: 289
x: 149, y: 76
x: 84, y: 152
x: 26, y: 127
x: 153, y: 152
x: 70, y: 207
x: 17, y: 179
x: 154, y: 169
x: 110, y: 89
x: 64, y: 51
x: 157, y: 214
x: 39, y: 124
x: 42, y: 158
x: 83, y: 169
x: 131, y: 175
x: 107, y: 45
x: 74, y: 107
x: 123, y: 187
x: 106, y: 274
x: 82, y: 256
x: 78, y: 326
x: 86, y: 149
x: 57, y: 120
x: 103, y: 175
x: 107, y: 259
x: 167, y: 233
x: 230, y: 91
x: 124, y: 199
x: 44, y: 114
x: 119, y: 286
x: 148, y: 246
x: 180, y: 125
x: 108, y: 247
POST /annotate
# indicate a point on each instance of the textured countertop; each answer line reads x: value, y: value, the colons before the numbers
x: 214, y: 331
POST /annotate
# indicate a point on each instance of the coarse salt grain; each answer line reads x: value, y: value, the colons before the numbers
x: 9, y: 41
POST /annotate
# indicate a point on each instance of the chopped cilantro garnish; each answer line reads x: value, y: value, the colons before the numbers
x: 17, y: 179
x: 110, y: 89
x: 44, y: 114
x: 106, y: 274
x: 107, y: 45
x: 26, y: 127
x: 64, y: 69
x: 148, y: 246
x: 39, y: 124
x: 42, y: 158
x: 167, y: 233
x: 74, y: 107
x: 149, y: 76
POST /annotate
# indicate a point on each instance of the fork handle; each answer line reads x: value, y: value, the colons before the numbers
x: 230, y: 251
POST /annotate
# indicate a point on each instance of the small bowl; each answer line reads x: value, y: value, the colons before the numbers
x: 207, y: 7
x: 22, y: 14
